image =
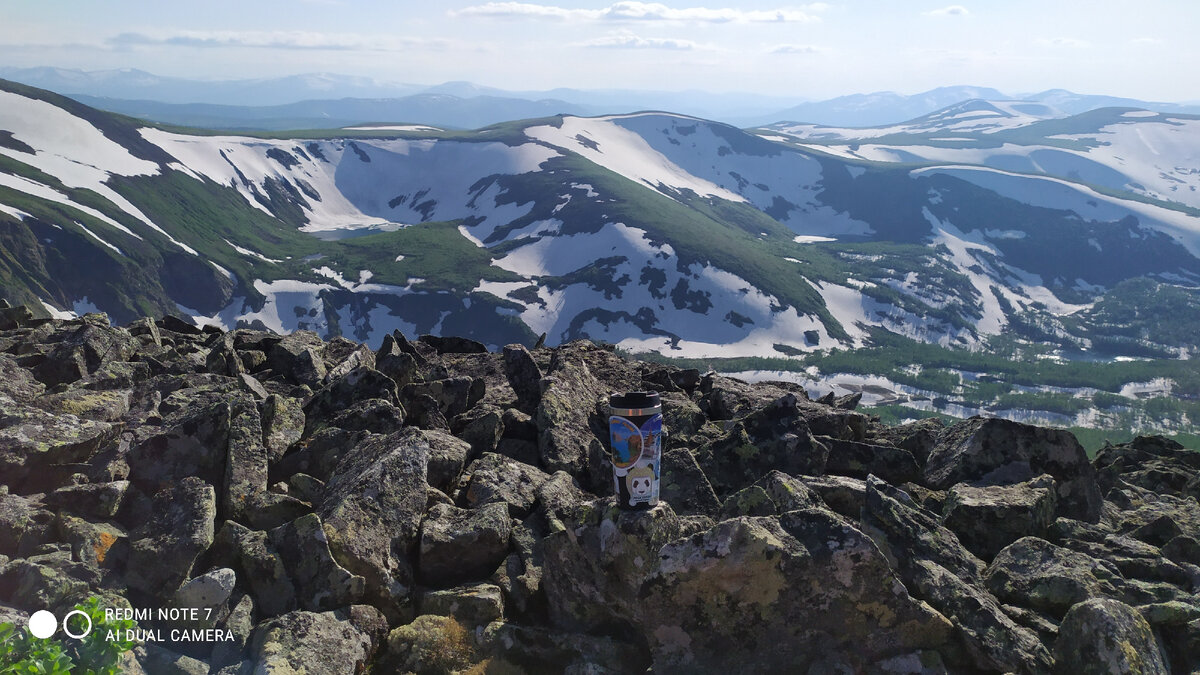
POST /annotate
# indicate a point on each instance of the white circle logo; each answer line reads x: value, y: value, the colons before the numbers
x: 42, y: 624
x: 85, y: 631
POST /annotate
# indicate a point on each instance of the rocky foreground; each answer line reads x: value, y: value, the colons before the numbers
x: 432, y: 507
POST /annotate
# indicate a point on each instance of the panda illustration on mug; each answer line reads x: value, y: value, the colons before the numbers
x: 640, y: 481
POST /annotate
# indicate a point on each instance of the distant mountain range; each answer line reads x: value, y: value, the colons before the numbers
x: 654, y: 231
x: 323, y: 100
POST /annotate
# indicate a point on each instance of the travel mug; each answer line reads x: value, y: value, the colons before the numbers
x: 635, y: 439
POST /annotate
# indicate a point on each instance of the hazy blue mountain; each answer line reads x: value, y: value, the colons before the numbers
x: 436, y: 109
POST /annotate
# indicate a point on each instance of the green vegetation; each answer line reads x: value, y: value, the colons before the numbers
x: 94, y: 654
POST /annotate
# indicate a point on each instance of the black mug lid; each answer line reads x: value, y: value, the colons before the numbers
x: 635, y: 399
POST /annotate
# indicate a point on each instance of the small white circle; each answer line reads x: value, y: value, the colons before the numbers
x: 67, y: 618
x: 42, y: 624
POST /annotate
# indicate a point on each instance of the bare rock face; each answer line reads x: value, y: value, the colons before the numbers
x: 429, y: 506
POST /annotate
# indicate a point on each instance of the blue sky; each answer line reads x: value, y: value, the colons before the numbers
x: 816, y: 50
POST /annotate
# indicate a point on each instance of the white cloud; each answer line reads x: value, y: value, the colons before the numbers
x: 626, y: 40
x: 275, y: 40
x: 643, y: 11
x: 797, y: 49
x: 1148, y: 41
x: 952, y: 10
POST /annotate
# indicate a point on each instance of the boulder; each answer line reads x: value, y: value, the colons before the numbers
x: 319, y: 582
x: 339, y: 642
x: 297, y: 359
x: 495, y: 478
x: 18, y: 383
x: 858, y: 459
x: 246, y: 463
x: 999, y: 452
x: 453, y: 344
x: 986, y: 519
x: 24, y: 526
x: 843, y: 495
x: 523, y: 375
x: 773, y: 437
x: 750, y: 501
x: 282, y: 424
x: 595, y: 565
x: 1105, y: 636
x: 460, y: 545
x: 178, y: 528
x: 533, y: 649
x: 192, y: 441
x: 430, y: 644
x: 570, y: 396
x: 788, y: 493
x: 372, y: 513
x: 683, y: 485
x: 375, y: 415
x: 359, y: 384
x: 936, y: 568
x: 1034, y: 573
x: 472, y: 605
x: 454, y: 395
x: 38, y: 444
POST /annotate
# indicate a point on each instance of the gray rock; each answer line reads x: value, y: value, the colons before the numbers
x: 683, y: 485
x: 460, y: 545
x: 1035, y: 573
x: 1104, y: 636
x: 372, y: 512
x: 472, y: 605
x: 340, y: 642
x: 788, y: 493
x: 447, y: 456
x: 523, y: 375
x: 997, y: 452
x: 359, y: 384
x: 319, y: 581
x: 750, y: 501
x: 193, y: 441
x: 37, y: 444
x: 229, y: 653
x: 986, y: 519
x: 101, y: 545
x: 180, y: 527
x: 373, y: 414
x: 936, y: 568
x: 101, y: 406
x: 252, y: 386
x: 454, y: 395
x: 283, y: 424
x: 295, y: 358
x: 156, y: 659
x: 570, y: 396
x: 17, y: 383
x: 33, y: 586
x: 246, y: 464
x: 773, y: 437
x: 24, y: 525
x: 211, y: 590
x: 843, y: 495
x: 857, y: 459
x: 495, y: 478
x: 430, y: 644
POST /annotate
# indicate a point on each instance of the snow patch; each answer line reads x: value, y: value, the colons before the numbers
x: 811, y: 239
x: 97, y: 238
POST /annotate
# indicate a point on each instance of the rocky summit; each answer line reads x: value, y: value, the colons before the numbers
x: 430, y: 506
